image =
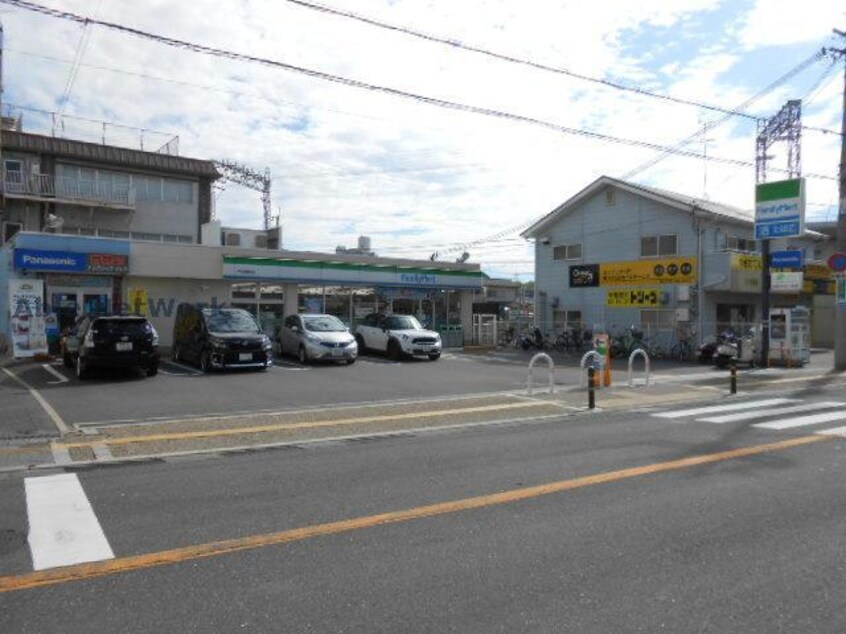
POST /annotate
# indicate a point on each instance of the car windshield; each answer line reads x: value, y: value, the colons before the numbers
x: 323, y: 323
x: 402, y: 322
x: 230, y: 320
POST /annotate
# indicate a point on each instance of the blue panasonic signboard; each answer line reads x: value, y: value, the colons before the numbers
x: 792, y: 259
x: 34, y: 260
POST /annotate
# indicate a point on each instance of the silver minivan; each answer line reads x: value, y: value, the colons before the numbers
x: 317, y: 337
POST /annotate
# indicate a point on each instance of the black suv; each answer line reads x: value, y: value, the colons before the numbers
x: 111, y: 341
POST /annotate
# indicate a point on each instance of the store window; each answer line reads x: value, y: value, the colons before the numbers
x: 657, y: 320
x: 657, y: 246
x: 567, y: 252
x: 741, y: 245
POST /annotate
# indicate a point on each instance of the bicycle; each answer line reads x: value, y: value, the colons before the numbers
x: 682, y: 351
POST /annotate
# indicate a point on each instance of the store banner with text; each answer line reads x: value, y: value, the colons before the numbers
x: 676, y: 270
x: 26, y: 310
x: 634, y: 297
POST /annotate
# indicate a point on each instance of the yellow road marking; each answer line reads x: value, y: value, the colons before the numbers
x: 30, y: 449
x: 258, y: 429
x: 94, y: 570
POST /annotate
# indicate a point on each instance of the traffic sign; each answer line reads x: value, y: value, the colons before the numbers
x: 837, y: 262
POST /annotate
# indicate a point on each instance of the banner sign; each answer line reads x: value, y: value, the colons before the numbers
x: 792, y: 259
x: 780, y: 209
x: 676, y: 270
x: 817, y: 272
x: 584, y: 275
x: 69, y: 262
x: 841, y: 292
x: 634, y: 297
x: 786, y: 282
x: 744, y: 262
x: 26, y: 310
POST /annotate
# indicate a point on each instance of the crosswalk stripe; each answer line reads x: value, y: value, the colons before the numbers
x: 724, y: 408
x: 801, y: 421
x: 763, y: 413
x: 63, y: 528
x: 837, y: 431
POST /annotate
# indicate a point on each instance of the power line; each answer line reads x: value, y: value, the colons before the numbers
x: 354, y: 83
x: 713, y: 124
x: 736, y: 112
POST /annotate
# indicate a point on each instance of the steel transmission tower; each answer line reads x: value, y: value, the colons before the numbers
x: 251, y: 179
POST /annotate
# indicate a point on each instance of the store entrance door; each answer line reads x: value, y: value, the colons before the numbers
x: 71, y: 303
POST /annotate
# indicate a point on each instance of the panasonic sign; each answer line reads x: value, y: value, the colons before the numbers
x: 32, y: 260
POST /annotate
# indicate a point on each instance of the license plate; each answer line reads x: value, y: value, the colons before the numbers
x: 337, y: 352
x: 245, y: 356
x: 123, y: 346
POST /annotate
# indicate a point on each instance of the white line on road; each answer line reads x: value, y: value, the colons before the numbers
x: 801, y: 421
x: 53, y: 414
x: 62, y: 378
x: 724, y: 408
x: 763, y: 413
x: 63, y: 528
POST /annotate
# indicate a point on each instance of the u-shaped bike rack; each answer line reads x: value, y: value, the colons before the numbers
x: 583, y: 363
x: 635, y: 353
x: 531, y: 380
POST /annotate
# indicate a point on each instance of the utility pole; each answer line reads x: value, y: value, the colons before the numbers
x: 840, y: 311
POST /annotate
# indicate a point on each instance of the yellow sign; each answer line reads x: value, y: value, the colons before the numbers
x: 138, y: 300
x: 634, y: 297
x: 743, y: 262
x: 658, y: 271
x: 817, y: 272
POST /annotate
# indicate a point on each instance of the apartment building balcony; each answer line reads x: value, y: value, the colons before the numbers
x: 71, y: 191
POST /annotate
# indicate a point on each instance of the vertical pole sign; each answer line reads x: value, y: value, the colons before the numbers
x: 779, y: 213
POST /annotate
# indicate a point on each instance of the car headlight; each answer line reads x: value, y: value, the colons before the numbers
x: 312, y: 337
x: 265, y: 342
x: 220, y: 344
x: 405, y: 337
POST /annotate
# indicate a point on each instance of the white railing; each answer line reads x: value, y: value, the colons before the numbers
x: 48, y: 186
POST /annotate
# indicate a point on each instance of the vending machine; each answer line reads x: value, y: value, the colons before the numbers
x: 790, y: 336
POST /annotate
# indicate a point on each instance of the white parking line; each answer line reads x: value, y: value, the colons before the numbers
x: 181, y: 366
x: 63, y: 528
x: 48, y: 409
x: 62, y: 378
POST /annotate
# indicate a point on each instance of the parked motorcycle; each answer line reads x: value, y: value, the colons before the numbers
x: 736, y: 348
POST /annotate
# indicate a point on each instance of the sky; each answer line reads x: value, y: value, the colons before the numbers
x: 416, y: 178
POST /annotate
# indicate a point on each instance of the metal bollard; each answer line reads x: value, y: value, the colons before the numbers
x: 591, y: 389
x: 733, y: 389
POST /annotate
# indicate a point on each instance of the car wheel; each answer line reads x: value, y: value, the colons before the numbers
x: 394, y: 350
x: 434, y: 357
x: 81, y: 369
x: 205, y: 362
x: 350, y: 361
x: 360, y: 341
x: 302, y: 356
x: 153, y: 370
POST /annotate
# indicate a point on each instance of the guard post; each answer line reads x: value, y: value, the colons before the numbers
x: 591, y: 389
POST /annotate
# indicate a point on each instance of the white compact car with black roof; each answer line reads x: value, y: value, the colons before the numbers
x: 397, y: 336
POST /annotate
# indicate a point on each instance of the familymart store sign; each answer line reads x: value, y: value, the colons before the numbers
x: 780, y: 209
x: 348, y: 273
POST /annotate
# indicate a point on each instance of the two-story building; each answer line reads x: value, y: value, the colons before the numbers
x: 618, y: 254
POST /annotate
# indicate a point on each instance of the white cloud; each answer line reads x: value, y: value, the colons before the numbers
x: 418, y: 178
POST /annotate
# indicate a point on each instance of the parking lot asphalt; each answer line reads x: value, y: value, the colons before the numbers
x: 182, y: 409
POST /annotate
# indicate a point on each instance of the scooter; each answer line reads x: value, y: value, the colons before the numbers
x: 737, y: 349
